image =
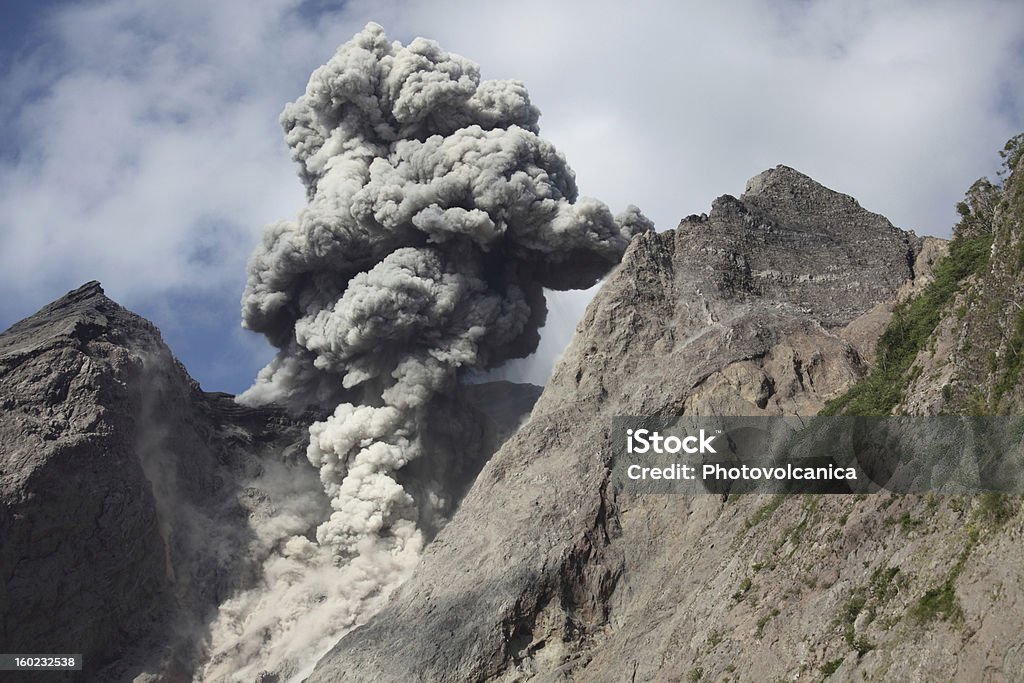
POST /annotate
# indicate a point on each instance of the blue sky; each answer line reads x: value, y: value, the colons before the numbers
x: 141, y: 145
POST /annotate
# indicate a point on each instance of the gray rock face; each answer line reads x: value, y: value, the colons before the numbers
x: 758, y: 308
x: 132, y: 503
x: 798, y: 246
x: 972, y: 362
x: 126, y: 493
x: 76, y: 529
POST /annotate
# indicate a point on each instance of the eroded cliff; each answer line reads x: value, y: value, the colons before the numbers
x: 771, y: 304
x: 127, y: 494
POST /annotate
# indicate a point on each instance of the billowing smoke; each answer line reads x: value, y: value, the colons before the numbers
x: 436, y: 216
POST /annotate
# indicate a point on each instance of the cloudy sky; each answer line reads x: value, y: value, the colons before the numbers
x: 140, y: 142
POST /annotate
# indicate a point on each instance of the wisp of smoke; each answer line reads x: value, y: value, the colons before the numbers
x: 436, y: 215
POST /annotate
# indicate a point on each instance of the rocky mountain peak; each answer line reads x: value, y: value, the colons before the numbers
x: 126, y: 492
x: 783, y: 187
x: 90, y: 290
x: 756, y: 308
x: 776, y: 181
x: 794, y: 242
x: 133, y: 503
x: 764, y: 306
x: 83, y: 314
x: 87, y: 302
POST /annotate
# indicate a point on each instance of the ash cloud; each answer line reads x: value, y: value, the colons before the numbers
x: 436, y: 216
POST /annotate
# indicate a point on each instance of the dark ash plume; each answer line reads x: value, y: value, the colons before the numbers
x: 436, y: 215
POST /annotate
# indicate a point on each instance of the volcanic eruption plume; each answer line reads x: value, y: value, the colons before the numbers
x: 436, y: 215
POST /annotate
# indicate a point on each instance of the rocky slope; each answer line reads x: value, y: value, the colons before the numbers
x: 972, y: 361
x: 768, y: 305
x: 126, y: 493
x: 132, y: 503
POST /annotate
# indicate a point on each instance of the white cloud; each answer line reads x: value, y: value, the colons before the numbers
x: 892, y: 102
x: 149, y: 154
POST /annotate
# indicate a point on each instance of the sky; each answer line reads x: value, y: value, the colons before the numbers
x: 140, y: 142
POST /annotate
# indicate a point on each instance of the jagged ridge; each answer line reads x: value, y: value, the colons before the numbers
x: 760, y: 307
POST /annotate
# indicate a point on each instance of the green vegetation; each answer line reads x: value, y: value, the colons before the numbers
x: 992, y: 512
x: 1011, y: 154
x: 795, y: 533
x: 995, y: 509
x: 760, y: 625
x: 831, y: 667
x: 914, y: 321
x: 938, y: 603
x: 745, y: 585
x: 695, y: 674
x: 912, y: 327
x: 763, y: 621
x: 764, y: 512
x: 977, y: 405
x: 941, y: 602
x: 1015, y: 198
x: 883, y: 584
x: 1014, y: 359
x: 847, y: 617
x: 912, y: 324
x: 978, y: 209
x: 1012, y: 362
x: 851, y: 608
x: 882, y: 588
x: 906, y: 522
x: 862, y: 645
